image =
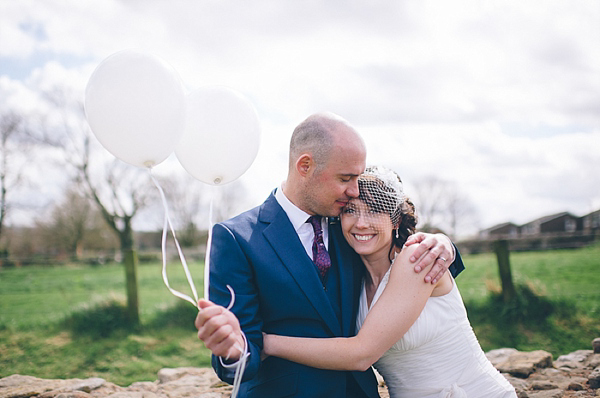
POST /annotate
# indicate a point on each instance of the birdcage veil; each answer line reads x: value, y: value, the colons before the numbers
x: 382, y: 190
x: 382, y: 204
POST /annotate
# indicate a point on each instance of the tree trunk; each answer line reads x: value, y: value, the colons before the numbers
x: 131, y: 266
x: 502, y: 254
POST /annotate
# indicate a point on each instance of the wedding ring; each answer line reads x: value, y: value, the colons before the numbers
x: 443, y: 259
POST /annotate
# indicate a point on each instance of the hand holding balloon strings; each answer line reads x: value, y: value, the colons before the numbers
x: 241, y: 364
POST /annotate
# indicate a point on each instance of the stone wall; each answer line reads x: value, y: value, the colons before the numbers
x: 534, y: 375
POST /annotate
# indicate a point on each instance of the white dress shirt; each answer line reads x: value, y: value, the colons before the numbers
x: 298, y: 219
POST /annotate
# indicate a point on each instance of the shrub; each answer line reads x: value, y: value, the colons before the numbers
x: 100, y: 319
x: 181, y: 315
x: 527, y: 308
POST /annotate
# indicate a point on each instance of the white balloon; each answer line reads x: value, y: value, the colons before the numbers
x: 135, y: 105
x: 221, y: 135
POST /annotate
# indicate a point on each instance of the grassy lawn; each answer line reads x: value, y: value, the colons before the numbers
x: 41, y: 295
x: 561, y: 318
x: 38, y: 336
x: 68, y: 321
x: 558, y: 274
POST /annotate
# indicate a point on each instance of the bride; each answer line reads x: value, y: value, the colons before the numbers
x: 417, y: 335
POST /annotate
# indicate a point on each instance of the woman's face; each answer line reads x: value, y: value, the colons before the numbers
x: 368, y: 232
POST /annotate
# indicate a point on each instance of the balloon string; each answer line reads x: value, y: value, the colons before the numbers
x: 168, y: 224
x: 241, y: 364
x: 208, y: 246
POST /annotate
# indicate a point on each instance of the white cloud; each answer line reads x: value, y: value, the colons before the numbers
x: 501, y: 96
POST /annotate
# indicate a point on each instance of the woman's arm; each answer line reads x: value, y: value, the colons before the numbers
x: 390, y: 318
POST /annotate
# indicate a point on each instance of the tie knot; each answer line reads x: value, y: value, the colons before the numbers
x: 315, y: 221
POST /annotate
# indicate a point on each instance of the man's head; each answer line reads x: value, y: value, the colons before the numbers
x: 326, y: 157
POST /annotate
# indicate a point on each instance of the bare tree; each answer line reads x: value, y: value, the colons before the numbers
x: 121, y: 194
x: 12, y: 139
x: 66, y: 227
x: 186, y: 198
x: 461, y: 212
x: 118, y: 190
x: 73, y: 225
x: 441, y: 206
x: 189, y: 202
x: 431, y: 195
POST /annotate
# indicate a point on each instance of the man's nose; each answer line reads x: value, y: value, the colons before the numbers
x: 352, y: 191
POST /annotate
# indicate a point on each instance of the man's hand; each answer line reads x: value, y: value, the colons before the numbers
x: 435, y: 251
x: 220, y: 330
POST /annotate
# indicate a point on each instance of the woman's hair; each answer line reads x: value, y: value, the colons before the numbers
x: 381, y: 189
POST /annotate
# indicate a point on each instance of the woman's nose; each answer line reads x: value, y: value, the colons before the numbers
x: 362, y: 221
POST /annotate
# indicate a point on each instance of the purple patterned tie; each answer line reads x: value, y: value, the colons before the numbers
x: 320, y: 255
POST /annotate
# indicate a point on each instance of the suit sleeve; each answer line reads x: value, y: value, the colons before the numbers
x: 457, y: 266
x: 230, y: 266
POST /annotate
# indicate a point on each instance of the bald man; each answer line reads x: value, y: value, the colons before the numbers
x: 266, y: 255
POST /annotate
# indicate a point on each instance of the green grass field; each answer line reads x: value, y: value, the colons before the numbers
x: 557, y: 274
x: 68, y: 321
x: 36, y: 337
x: 39, y: 295
x: 564, y: 315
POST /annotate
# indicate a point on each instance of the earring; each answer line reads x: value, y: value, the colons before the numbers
x: 397, y: 234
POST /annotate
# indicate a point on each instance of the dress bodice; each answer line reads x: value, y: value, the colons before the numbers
x: 439, y: 356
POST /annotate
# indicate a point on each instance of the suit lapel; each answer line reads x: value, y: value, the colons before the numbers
x: 345, y: 260
x: 283, y: 238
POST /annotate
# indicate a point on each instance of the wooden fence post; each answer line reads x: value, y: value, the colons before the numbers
x: 502, y: 254
x: 131, y: 265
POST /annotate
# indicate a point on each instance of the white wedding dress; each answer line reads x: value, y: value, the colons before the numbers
x: 439, y: 356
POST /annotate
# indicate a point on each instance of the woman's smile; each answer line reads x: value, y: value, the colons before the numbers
x: 363, y: 237
x: 367, y: 231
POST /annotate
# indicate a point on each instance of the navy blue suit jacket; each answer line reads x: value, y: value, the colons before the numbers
x: 277, y: 290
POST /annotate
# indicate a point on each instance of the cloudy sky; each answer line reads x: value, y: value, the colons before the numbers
x: 501, y: 98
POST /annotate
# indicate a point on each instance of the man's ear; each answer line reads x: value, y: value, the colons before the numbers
x: 305, y: 164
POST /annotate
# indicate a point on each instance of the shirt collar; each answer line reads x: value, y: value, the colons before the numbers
x: 297, y: 217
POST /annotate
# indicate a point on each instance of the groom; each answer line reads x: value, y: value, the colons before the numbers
x: 266, y: 256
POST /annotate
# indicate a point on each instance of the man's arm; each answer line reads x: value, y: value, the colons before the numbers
x: 437, y: 253
x: 220, y: 331
x: 229, y: 266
